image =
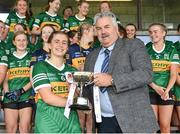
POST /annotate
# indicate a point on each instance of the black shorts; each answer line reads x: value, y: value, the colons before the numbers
x: 18, y: 105
x: 155, y: 99
x: 177, y: 103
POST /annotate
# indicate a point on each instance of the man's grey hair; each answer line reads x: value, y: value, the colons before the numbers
x: 105, y: 14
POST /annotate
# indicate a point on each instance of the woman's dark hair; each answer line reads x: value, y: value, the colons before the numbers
x: 47, y: 7
x: 67, y: 7
x: 131, y: 24
x: 72, y: 33
x: 122, y: 30
x: 55, y: 33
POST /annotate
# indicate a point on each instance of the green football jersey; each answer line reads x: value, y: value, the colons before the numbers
x: 13, y: 19
x: 177, y: 87
x: 161, y: 62
x: 74, y: 22
x: 177, y: 46
x: 2, y: 44
x: 3, y: 62
x: 51, y: 119
x: 46, y: 18
x: 19, y: 74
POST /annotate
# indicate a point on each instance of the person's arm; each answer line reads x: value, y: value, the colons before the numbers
x: 141, y: 73
x: 50, y: 98
x: 172, y: 80
x: 36, y: 31
x: 178, y: 79
x: 5, y: 84
x: 3, y: 71
x: 157, y: 88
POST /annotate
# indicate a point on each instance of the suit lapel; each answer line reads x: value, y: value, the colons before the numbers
x: 93, y: 59
x: 115, y: 52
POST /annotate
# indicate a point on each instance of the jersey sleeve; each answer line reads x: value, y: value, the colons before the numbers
x: 3, y: 58
x: 8, y: 20
x: 37, y: 20
x: 39, y: 76
x: 174, y: 57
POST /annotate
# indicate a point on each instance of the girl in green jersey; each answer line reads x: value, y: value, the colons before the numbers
x: 20, y: 14
x: 49, y: 82
x: 17, y: 87
x: 165, y: 60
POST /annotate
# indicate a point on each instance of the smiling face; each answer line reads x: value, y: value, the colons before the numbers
x: 54, y: 5
x: 107, y: 31
x: 46, y: 32
x: 58, y: 45
x: 131, y: 31
x: 21, y: 42
x: 157, y: 34
x: 83, y: 8
x: 21, y: 7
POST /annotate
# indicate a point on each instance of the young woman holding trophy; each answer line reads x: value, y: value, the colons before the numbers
x: 50, y: 82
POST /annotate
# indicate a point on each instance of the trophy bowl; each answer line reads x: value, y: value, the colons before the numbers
x: 80, y: 102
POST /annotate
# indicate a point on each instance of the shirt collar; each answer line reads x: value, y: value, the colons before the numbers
x: 109, y: 48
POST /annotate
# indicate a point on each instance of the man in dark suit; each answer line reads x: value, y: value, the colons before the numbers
x: 122, y: 73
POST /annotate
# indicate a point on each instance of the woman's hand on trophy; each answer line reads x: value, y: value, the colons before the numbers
x: 77, y: 92
x: 102, y: 79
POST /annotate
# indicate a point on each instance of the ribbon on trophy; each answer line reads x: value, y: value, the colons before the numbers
x: 73, y: 85
x: 97, y: 107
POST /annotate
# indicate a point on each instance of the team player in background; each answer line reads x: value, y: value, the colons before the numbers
x: 50, y: 16
x: 67, y: 12
x: 17, y: 88
x: 43, y: 52
x: 81, y: 46
x: 131, y: 30
x: 177, y: 86
x: 165, y: 61
x: 20, y: 14
x: 50, y: 82
x: 105, y: 6
x: 75, y: 21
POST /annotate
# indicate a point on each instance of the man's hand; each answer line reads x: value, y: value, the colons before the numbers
x: 102, y: 79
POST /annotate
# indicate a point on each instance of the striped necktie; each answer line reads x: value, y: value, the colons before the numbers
x: 104, y: 67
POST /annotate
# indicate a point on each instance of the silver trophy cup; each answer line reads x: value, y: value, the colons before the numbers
x: 82, y: 78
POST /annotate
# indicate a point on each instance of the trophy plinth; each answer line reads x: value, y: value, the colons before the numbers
x: 81, y: 103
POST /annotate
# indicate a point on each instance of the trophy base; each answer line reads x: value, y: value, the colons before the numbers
x: 80, y: 107
x: 80, y: 103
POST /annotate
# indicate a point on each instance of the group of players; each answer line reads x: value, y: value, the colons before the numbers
x: 35, y: 53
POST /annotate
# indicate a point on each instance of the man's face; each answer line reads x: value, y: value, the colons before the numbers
x: 107, y: 32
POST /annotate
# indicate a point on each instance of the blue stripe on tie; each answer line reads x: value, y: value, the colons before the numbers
x: 104, y: 67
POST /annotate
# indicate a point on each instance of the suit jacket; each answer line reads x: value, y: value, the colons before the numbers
x: 131, y: 69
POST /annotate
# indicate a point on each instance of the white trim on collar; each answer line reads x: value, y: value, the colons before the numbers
x: 22, y: 17
x: 20, y: 57
x: 52, y: 15
x: 60, y: 69
x: 160, y: 50
x: 79, y: 18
